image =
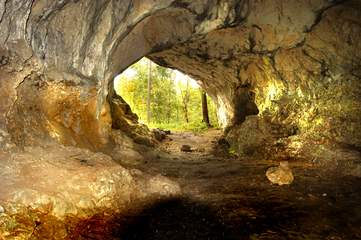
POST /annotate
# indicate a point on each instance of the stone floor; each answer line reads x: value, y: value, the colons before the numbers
x: 69, y: 193
x: 224, y: 197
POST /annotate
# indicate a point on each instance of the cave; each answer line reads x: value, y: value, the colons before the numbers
x: 164, y: 98
x: 75, y: 163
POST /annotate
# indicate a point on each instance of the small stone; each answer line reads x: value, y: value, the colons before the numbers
x: 186, y: 148
x: 159, y: 134
x: 2, y: 210
x: 324, y: 195
x: 281, y: 175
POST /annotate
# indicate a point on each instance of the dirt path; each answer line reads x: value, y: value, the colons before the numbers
x: 229, y: 198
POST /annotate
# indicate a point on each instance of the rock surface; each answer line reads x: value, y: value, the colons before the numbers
x: 159, y: 134
x: 293, y: 64
x: 285, y: 76
x: 54, y: 184
x: 281, y: 175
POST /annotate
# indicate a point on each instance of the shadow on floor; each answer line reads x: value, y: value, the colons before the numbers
x: 269, y: 213
x: 184, y: 219
x: 175, y: 219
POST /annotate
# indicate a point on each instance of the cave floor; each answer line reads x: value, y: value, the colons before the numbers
x: 224, y: 197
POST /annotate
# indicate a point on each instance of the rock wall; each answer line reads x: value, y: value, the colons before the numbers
x: 50, y: 44
x: 294, y: 64
x: 285, y: 75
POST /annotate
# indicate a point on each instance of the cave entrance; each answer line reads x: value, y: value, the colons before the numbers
x: 165, y: 98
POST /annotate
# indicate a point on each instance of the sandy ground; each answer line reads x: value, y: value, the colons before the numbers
x: 224, y: 197
x: 221, y: 196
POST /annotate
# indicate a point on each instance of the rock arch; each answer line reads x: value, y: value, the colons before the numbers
x: 285, y: 75
x: 298, y: 58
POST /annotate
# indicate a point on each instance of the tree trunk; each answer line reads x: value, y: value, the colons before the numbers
x: 149, y: 88
x: 169, y: 109
x: 205, y: 109
x: 185, y: 101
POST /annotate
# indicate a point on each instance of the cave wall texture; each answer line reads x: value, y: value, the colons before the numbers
x: 284, y: 74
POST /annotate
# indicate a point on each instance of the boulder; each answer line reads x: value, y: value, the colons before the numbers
x: 281, y: 175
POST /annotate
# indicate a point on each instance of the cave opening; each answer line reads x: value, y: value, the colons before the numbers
x: 77, y: 163
x: 164, y: 98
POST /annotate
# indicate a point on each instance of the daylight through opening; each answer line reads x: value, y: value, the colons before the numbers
x: 165, y: 98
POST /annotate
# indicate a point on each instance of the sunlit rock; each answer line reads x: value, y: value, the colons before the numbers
x: 285, y: 76
x: 55, y: 184
x: 251, y: 138
x: 298, y: 67
x: 252, y: 58
x: 281, y: 175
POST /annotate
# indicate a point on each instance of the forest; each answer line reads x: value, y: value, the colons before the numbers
x: 165, y: 98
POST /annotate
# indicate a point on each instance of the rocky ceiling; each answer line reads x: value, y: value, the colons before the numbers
x: 285, y: 75
x: 294, y: 64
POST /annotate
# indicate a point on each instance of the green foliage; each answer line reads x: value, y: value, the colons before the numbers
x: 195, y: 127
x: 167, y: 98
x: 232, y: 151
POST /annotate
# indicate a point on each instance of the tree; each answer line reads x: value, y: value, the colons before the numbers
x: 171, y: 102
x: 149, y: 86
x: 185, y: 101
x: 169, y: 97
x: 205, y: 108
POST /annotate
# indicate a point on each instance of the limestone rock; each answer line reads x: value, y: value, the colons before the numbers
x: 295, y: 65
x: 126, y: 121
x: 69, y: 183
x: 284, y: 75
x: 294, y: 75
x: 251, y: 138
x: 281, y: 175
x: 159, y: 134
